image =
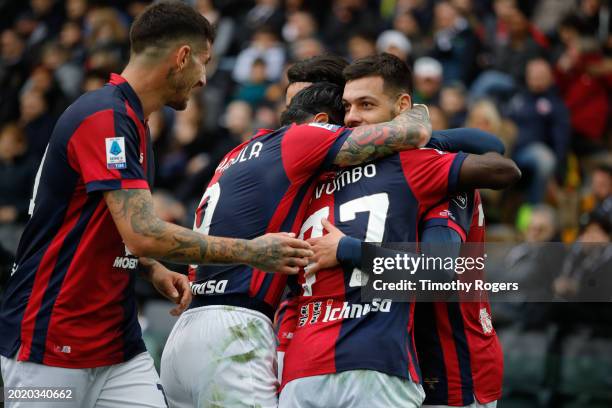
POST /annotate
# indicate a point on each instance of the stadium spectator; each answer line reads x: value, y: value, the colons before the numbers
x: 544, y: 129
x: 361, y: 44
x: 510, y: 55
x: 455, y: 44
x: 37, y: 121
x: 13, y: 73
x: 584, y: 88
x: 264, y: 45
x: 484, y: 115
x: 427, y: 81
x: 395, y: 43
x: 453, y: 103
x: 254, y: 90
x: 17, y: 171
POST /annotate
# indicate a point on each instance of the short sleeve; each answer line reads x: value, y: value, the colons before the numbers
x: 455, y: 213
x: 308, y: 149
x: 106, y: 151
x: 431, y: 174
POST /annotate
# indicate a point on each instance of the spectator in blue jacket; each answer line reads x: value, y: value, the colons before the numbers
x: 544, y: 129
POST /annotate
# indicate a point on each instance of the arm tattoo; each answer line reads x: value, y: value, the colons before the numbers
x: 168, y: 241
x: 367, y: 143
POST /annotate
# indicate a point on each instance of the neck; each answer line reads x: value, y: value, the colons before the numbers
x: 146, y: 81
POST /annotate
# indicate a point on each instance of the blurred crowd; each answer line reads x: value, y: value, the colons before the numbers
x: 536, y: 73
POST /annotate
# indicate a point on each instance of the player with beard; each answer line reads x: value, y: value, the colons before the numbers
x: 261, y: 186
x: 361, y: 358
x: 68, y: 313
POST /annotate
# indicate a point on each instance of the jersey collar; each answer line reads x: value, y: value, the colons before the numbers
x: 133, y: 100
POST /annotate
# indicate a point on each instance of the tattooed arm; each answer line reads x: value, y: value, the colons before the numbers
x: 148, y: 236
x: 410, y: 129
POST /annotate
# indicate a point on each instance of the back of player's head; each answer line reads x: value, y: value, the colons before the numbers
x: 322, y: 68
x: 166, y: 22
x: 320, y: 97
x: 396, y: 74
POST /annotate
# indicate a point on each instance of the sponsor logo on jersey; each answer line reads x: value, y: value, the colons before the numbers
x: 310, y: 313
x: 115, y: 153
x: 129, y: 261
x: 485, y: 321
x: 461, y: 200
x: 209, y: 287
x: 327, y: 126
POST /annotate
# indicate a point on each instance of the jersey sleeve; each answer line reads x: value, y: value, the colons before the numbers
x: 455, y: 213
x: 105, y: 151
x: 307, y: 149
x: 431, y: 174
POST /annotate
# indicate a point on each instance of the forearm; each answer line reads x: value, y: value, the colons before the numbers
x: 466, y: 140
x: 148, y: 236
x: 487, y: 171
x: 409, y: 130
x: 177, y: 244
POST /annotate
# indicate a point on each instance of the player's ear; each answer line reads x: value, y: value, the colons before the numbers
x: 403, y: 102
x: 183, y: 54
x: 321, y: 117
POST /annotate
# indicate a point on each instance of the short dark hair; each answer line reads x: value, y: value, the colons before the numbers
x: 396, y: 74
x: 319, y: 97
x: 322, y: 68
x: 168, y: 21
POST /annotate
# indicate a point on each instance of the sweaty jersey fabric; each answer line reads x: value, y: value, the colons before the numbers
x: 459, y: 352
x: 69, y: 301
x: 335, y: 330
x: 261, y: 186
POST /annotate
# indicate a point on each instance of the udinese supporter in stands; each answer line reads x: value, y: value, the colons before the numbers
x: 544, y: 130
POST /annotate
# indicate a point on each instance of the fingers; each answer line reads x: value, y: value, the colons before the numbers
x: 329, y: 227
x: 301, y: 262
x: 312, y: 269
x: 289, y: 270
x: 182, y: 284
x: 300, y: 253
x: 297, y: 243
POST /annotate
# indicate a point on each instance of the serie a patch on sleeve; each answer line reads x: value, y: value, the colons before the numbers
x: 115, y: 153
x: 328, y: 126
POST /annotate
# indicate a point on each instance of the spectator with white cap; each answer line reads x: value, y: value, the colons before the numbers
x: 427, y: 81
x: 395, y: 43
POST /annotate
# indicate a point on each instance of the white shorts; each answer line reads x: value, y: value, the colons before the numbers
x: 134, y: 383
x: 220, y: 356
x: 475, y: 404
x: 352, y: 389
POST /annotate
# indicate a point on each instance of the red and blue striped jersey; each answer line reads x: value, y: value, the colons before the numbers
x: 70, y: 301
x: 261, y: 186
x: 334, y: 330
x: 459, y: 352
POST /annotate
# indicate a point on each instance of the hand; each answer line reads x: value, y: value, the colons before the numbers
x: 565, y: 287
x: 8, y: 214
x: 324, y: 248
x: 278, y: 252
x: 173, y: 285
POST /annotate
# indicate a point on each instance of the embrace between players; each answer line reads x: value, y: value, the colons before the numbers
x: 68, y: 315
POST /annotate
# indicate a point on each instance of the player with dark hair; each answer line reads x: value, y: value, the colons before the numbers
x: 321, y: 98
x: 263, y: 185
x: 322, y: 68
x: 68, y: 313
x: 344, y: 351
